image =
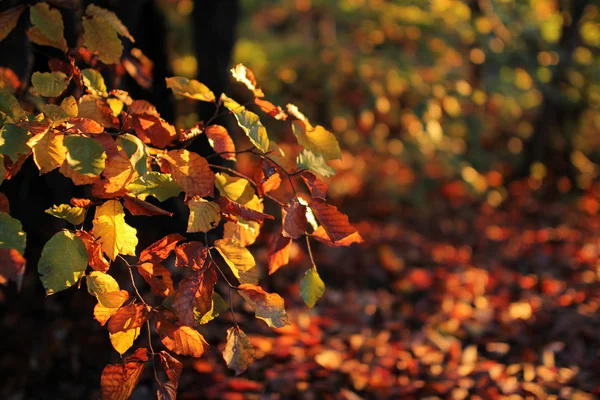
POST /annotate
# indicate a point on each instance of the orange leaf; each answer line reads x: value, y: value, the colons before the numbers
x: 267, y: 306
x: 231, y: 207
x: 154, y: 130
x: 294, y: 219
x: 128, y: 317
x: 12, y: 266
x: 94, y: 249
x: 141, y: 207
x: 161, y: 249
x: 196, y: 292
x: 267, y: 178
x: 158, y: 277
x: 318, y: 188
x: 192, y: 254
x: 271, y: 109
x: 102, y: 314
x: 83, y: 125
x: 180, y: 339
x: 190, y: 171
x: 83, y: 203
x: 220, y: 141
x: 77, y: 178
x: 322, y: 236
x: 119, y: 380
x: 279, y: 251
x: 138, y: 107
x: 172, y: 367
x: 334, y: 222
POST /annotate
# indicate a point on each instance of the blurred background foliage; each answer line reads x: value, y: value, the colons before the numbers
x: 471, y: 93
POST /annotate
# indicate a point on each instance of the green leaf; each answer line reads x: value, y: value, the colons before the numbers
x: 63, y: 262
x: 93, y: 10
x: 8, y: 20
x: 218, y: 307
x: 13, y: 141
x: 311, y: 287
x: 94, y: 81
x: 58, y: 114
x: 85, y: 155
x: 156, y: 184
x: 10, y: 106
x: 50, y: 84
x: 74, y: 215
x: 311, y: 161
x: 2, y: 169
x: 318, y: 140
x: 254, y: 129
x: 100, y: 36
x: 239, y: 259
x: 190, y: 88
x: 48, y: 27
x: 238, y: 352
x: 136, y: 150
x: 11, y: 233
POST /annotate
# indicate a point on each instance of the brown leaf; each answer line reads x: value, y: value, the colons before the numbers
x: 102, y: 314
x: 196, y: 292
x: 238, y: 352
x: 294, y: 219
x: 12, y: 266
x: 119, y: 380
x: 98, y: 110
x: 267, y: 306
x: 334, y: 222
x: 190, y: 171
x: 318, y: 188
x: 173, y: 368
x: 231, y: 207
x: 161, y: 249
x: 94, y: 249
x: 83, y: 203
x: 192, y: 254
x: 322, y: 236
x: 220, y: 141
x: 139, y: 107
x: 128, y: 317
x: 158, y: 277
x: 141, y: 207
x: 267, y: 178
x: 83, y: 125
x: 279, y: 251
x: 271, y: 109
x: 180, y: 339
x: 154, y: 130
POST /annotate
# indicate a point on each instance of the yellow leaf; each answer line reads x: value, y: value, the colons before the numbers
x: 204, y: 215
x: 190, y: 88
x: 49, y: 151
x: 239, y: 259
x: 318, y: 140
x: 113, y: 232
x: 100, y: 284
x: 236, y: 189
x: 100, y: 36
x: 122, y: 341
x: 242, y: 231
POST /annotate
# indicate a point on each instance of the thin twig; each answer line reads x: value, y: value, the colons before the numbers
x: 229, y: 152
x: 231, y: 308
x: 289, y: 175
x: 135, y: 287
x: 152, y: 351
x: 217, y: 265
x: 310, y: 254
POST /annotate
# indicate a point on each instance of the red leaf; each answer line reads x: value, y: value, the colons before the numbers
x: 141, y: 207
x: 119, y: 380
x: 180, y: 339
x: 83, y: 203
x: 195, y: 292
x: 231, y: 207
x: 192, y: 254
x: 220, y: 141
x: 128, y: 317
x: 318, y: 188
x: 190, y: 171
x: 96, y: 257
x: 279, y: 251
x: 158, y: 277
x: 161, y: 249
x: 294, y: 219
x: 334, y: 222
x: 12, y: 266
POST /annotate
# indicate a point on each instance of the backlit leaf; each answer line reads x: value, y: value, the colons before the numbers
x: 48, y: 28
x: 192, y: 254
x: 267, y: 306
x: 313, y: 162
x: 94, y: 249
x: 245, y: 76
x: 119, y: 380
x: 318, y: 140
x: 10, y: 106
x: 85, y: 155
x: 321, y: 235
x: 204, y: 215
x: 311, y: 287
x: 238, y: 352
x: 112, y: 231
x: 294, y: 219
x: 194, y: 293
x: 93, y: 10
x: 122, y: 341
x: 242, y: 231
x: 140, y: 207
x: 8, y: 20
x: 49, y: 84
x: 190, y: 88
x: 156, y: 184
x: 279, y: 251
x: 11, y: 233
x: 235, y: 188
x: 136, y: 150
x: 318, y: 188
x: 161, y: 249
x: 63, y: 262
x: 73, y: 215
x: 182, y: 339
x: 173, y: 369
x: 239, y: 259
x: 218, y: 306
x: 190, y: 171
x: 94, y: 82
x: 220, y: 141
x: 158, y: 277
x: 254, y: 129
x: 233, y: 208
x: 334, y: 222
x: 102, y: 314
x: 59, y: 114
x: 101, y: 285
x: 13, y: 141
x: 100, y: 37
x: 152, y: 129
x: 128, y: 317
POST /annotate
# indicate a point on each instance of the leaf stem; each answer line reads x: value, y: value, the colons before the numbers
x: 231, y: 308
x: 310, y: 254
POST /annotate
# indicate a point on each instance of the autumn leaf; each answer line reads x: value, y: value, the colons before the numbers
x: 267, y: 306
x: 152, y: 129
x: 158, y: 277
x: 294, y: 219
x: 112, y: 231
x: 140, y: 207
x: 311, y: 287
x: 173, y: 369
x: 190, y: 171
x: 83, y: 125
x: 77, y: 178
x: 279, y: 251
x: 318, y: 140
x: 318, y: 188
x: 242, y: 231
x: 48, y: 27
x: 235, y: 188
x: 93, y: 10
x: 13, y: 141
x: 239, y: 259
x: 321, y: 235
x: 192, y: 254
x: 245, y: 76
x: 181, y: 339
x: 85, y: 155
x: 334, y: 222
x: 136, y: 151
x: 12, y: 266
x: 119, y: 380
x: 11, y: 233
x: 122, y: 341
x: 100, y: 37
x: 128, y: 317
x: 314, y: 162
x: 63, y: 262
x: 49, y: 152
x: 99, y: 110
x: 218, y: 306
x: 73, y: 215
x: 94, y: 82
x: 161, y: 249
x: 56, y: 115
x: 190, y: 88
x: 10, y: 106
x: 102, y: 314
x: 49, y: 84
x: 194, y: 294
x: 204, y: 215
x: 254, y: 129
x: 156, y: 184
x: 8, y: 20
x: 220, y: 141
x: 233, y: 208
x: 96, y: 257
x: 267, y: 178
x: 101, y: 285
x: 238, y: 352
x: 271, y: 109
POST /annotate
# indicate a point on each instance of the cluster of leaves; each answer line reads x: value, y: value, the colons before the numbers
x: 125, y: 152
